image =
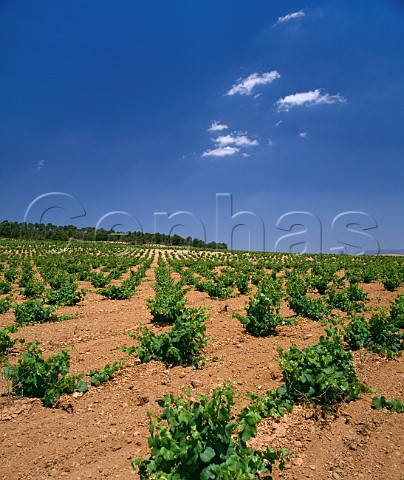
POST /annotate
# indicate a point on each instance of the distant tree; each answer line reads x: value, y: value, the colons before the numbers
x: 39, y: 231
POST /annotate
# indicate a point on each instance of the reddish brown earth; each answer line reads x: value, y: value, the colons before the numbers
x: 96, y: 434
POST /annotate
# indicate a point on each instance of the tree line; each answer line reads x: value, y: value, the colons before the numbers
x: 40, y: 231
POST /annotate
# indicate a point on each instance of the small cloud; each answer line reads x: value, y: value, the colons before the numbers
x: 246, y: 155
x: 238, y: 140
x: 187, y: 155
x: 303, y: 134
x: 221, y: 152
x: 313, y: 97
x: 217, y: 127
x: 278, y: 123
x: 40, y: 164
x: 245, y: 86
x: 257, y: 95
x: 270, y: 142
x: 290, y: 16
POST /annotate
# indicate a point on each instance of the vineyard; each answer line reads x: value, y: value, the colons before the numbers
x: 124, y: 361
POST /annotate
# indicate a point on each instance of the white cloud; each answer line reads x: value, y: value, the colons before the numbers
x: 270, y: 142
x: 40, y: 164
x: 303, y: 134
x: 313, y: 97
x: 238, y: 140
x: 217, y: 127
x: 187, y: 155
x: 290, y: 16
x: 221, y: 152
x: 278, y: 123
x: 228, y: 144
x: 245, y: 86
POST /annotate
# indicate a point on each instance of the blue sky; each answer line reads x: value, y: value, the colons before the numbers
x: 146, y: 107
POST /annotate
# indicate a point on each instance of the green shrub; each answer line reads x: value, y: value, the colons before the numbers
x: 66, y: 295
x: 115, y: 292
x: 274, y: 403
x: 126, y: 289
x: 165, y: 307
x: 56, y: 281
x: 391, y: 281
x: 5, y: 304
x: 257, y: 276
x: 296, y: 286
x: 6, y: 343
x: 33, y: 289
x: 322, y: 374
x: 397, y: 311
x: 101, y: 376
x: 35, y: 377
x: 27, y: 275
x: 262, y: 312
x: 339, y: 299
x: 393, y: 405
x: 200, y: 439
x: 369, y: 274
x: 216, y: 291
x: 242, y: 281
x: 33, y: 311
x: 301, y: 303
x: 320, y: 284
x: 380, y: 335
x: 357, y: 333
x: 10, y: 274
x: 181, y: 345
x: 305, y: 306
x: 169, y: 300
x: 98, y: 280
x: 386, y: 337
x: 5, y: 287
x: 355, y: 293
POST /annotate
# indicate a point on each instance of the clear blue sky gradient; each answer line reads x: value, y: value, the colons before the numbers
x: 111, y: 102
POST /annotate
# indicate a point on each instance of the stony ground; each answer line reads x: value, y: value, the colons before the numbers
x: 96, y: 434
